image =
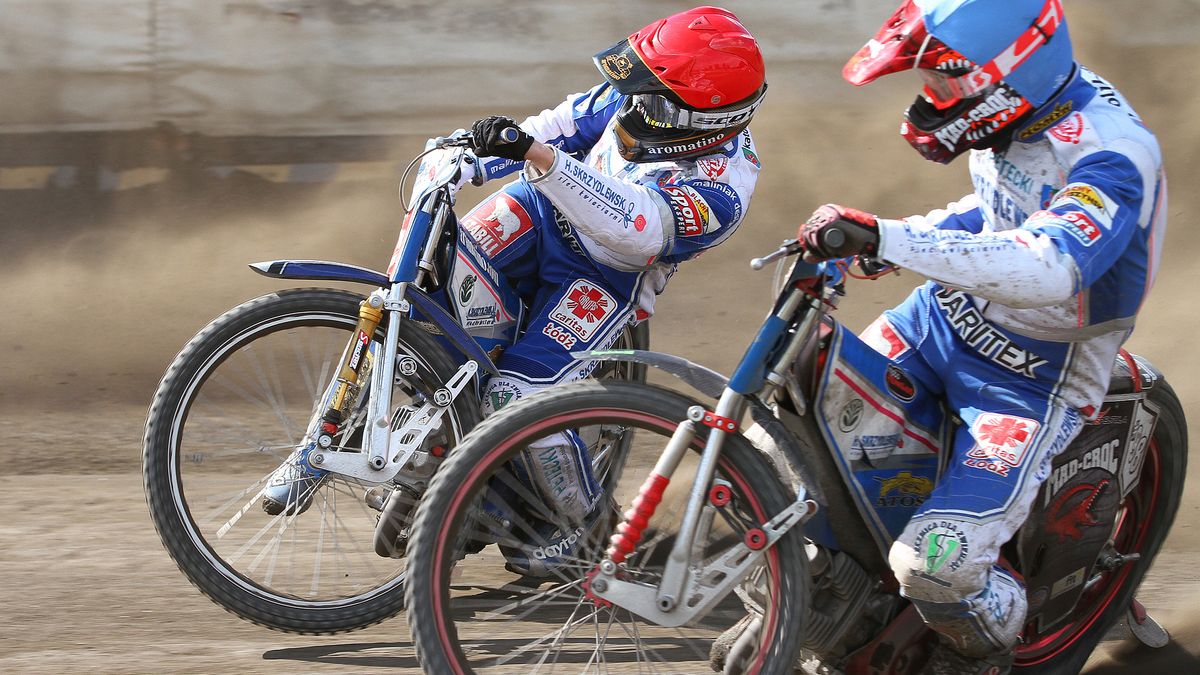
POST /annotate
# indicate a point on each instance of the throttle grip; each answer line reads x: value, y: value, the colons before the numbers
x: 833, y: 238
x: 509, y: 135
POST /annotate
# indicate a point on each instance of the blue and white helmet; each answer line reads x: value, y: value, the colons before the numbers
x: 985, y: 64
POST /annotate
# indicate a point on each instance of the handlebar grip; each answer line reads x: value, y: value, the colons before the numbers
x: 510, y: 135
x: 833, y: 238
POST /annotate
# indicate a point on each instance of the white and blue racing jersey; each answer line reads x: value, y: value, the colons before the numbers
x: 635, y: 216
x: 1059, y: 243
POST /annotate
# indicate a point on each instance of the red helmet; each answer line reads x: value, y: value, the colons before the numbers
x: 692, y: 80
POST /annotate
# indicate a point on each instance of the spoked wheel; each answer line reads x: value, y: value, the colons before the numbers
x: 469, y: 614
x: 235, y: 407
x: 1141, y: 525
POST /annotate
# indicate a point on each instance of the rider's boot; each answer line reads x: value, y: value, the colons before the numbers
x: 552, y: 547
x: 291, y: 487
x: 945, y: 660
x: 563, y: 510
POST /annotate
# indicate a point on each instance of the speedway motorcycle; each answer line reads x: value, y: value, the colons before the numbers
x: 792, y: 519
x: 356, y: 398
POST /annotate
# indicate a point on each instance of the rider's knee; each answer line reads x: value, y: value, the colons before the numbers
x: 934, y: 563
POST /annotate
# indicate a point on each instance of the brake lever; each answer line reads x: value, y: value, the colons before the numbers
x: 463, y: 140
x: 789, y: 247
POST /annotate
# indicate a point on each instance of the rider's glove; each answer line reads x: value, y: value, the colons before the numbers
x: 834, y: 231
x: 489, y: 138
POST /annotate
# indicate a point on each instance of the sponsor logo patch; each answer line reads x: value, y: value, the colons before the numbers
x: 1084, y: 194
x: 583, y: 309
x: 884, y: 339
x: 690, y: 210
x: 500, y: 226
x: 466, y: 289
x: 1069, y: 130
x: 874, y: 446
x: 1060, y: 111
x: 899, y: 384
x: 1001, y: 442
x: 903, y: 489
x: 501, y: 395
x: 482, y: 317
x: 851, y: 415
x: 983, y: 337
x: 942, y: 545
x: 1083, y: 227
x: 713, y: 167
x: 750, y: 155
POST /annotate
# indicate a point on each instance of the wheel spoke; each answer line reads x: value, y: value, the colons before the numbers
x: 241, y: 400
x: 559, y: 626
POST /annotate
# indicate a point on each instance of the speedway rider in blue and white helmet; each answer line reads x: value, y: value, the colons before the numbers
x: 1036, y: 279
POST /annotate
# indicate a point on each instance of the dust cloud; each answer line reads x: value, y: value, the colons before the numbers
x: 98, y: 292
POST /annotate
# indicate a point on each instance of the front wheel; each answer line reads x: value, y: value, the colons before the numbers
x: 233, y: 408
x: 468, y: 613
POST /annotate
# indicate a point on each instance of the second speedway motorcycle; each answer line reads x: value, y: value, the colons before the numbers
x: 343, y: 402
x: 792, y: 518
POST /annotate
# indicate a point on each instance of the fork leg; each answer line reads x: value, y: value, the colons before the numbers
x: 354, y: 357
x: 629, y: 532
x: 730, y: 406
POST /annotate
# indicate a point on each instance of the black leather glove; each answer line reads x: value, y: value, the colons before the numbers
x: 834, y: 231
x: 490, y: 136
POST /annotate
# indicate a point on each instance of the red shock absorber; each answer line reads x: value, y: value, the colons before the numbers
x: 629, y: 532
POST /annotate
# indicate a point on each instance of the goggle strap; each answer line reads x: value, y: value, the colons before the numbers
x: 1015, y: 54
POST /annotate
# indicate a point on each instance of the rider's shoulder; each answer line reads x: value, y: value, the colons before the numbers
x: 1102, y: 120
x: 734, y: 162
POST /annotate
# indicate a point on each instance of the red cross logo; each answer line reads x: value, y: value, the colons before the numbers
x: 587, y: 303
x: 1004, y: 431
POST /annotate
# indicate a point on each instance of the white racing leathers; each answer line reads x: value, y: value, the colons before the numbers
x: 1035, y: 282
x: 590, y: 244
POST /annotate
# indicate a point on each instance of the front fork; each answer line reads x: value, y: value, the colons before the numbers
x: 355, y: 358
x: 703, y: 583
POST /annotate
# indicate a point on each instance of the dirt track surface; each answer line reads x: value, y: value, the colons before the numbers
x: 99, y: 292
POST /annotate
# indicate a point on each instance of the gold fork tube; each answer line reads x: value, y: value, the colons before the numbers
x: 368, y: 320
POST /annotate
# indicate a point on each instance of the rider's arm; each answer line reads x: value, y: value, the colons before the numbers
x: 633, y: 220
x: 1052, y: 256
x: 574, y: 126
x: 625, y: 218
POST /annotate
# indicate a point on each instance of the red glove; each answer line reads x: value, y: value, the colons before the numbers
x: 834, y: 231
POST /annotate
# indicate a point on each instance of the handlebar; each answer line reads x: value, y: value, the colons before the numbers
x: 462, y: 140
x: 789, y: 247
x: 467, y: 139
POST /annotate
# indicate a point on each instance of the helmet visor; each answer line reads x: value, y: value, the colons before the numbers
x: 662, y: 113
x: 944, y: 90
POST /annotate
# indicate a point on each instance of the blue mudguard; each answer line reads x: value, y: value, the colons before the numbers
x: 321, y: 270
x: 334, y: 271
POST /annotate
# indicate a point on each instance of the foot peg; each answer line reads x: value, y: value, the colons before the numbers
x: 1147, y: 631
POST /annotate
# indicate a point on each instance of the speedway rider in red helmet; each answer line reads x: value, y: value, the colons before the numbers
x: 619, y: 185
x: 1036, y: 279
